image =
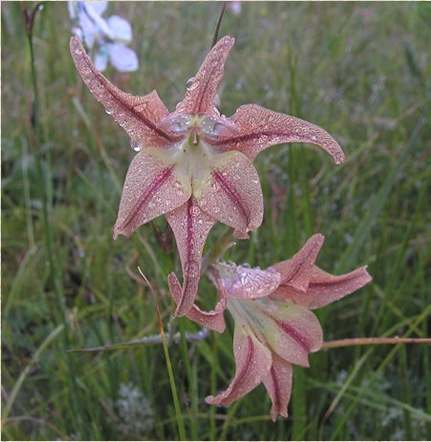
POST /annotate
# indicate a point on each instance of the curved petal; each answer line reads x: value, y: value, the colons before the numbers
x: 258, y: 128
x: 212, y: 319
x: 325, y: 288
x: 245, y: 282
x: 234, y: 196
x: 191, y: 227
x: 296, y: 272
x: 150, y: 190
x: 123, y: 58
x: 290, y: 330
x: 138, y: 116
x: 252, y: 363
x: 278, y: 384
x: 200, y: 94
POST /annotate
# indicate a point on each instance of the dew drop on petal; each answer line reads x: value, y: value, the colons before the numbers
x: 135, y: 145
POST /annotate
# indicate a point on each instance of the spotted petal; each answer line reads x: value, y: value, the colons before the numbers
x: 258, y: 128
x: 191, y: 227
x: 278, y: 384
x: 212, y: 319
x: 234, y: 196
x: 296, y: 272
x: 150, y: 190
x: 252, y: 362
x: 200, y: 94
x: 243, y: 282
x: 138, y: 116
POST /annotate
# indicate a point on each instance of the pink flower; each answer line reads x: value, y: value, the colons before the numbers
x: 274, y: 324
x: 194, y: 165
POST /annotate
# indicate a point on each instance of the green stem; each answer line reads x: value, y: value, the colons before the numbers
x: 374, y: 341
x: 218, y: 25
x: 178, y: 414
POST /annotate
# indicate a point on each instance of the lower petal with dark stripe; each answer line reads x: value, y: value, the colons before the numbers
x: 252, y: 363
x: 150, y: 190
x: 191, y: 227
x: 234, y: 196
x: 278, y: 384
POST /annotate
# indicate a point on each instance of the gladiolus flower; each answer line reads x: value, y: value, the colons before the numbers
x: 195, y: 165
x: 274, y: 325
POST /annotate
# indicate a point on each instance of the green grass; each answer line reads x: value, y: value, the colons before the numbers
x: 362, y: 71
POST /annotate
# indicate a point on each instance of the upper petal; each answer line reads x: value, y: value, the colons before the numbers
x: 138, y: 116
x: 258, y: 128
x: 212, y: 319
x: 325, y: 288
x: 191, y: 227
x: 120, y: 28
x: 278, y: 384
x: 150, y: 189
x: 234, y: 196
x: 252, y: 363
x: 296, y: 272
x: 246, y: 282
x: 200, y: 94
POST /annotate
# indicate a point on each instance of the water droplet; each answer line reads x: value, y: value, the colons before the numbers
x: 135, y: 145
x: 189, y: 82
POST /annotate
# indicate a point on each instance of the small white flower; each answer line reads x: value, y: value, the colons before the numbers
x: 105, y: 38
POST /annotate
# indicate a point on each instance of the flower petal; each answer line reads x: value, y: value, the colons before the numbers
x: 122, y: 58
x: 245, y: 282
x: 200, y: 94
x: 120, y: 28
x: 234, y: 196
x: 212, y: 319
x: 278, y: 384
x: 99, y: 6
x: 100, y: 24
x: 291, y: 331
x: 150, y: 189
x: 89, y: 28
x: 259, y: 128
x: 252, y: 361
x: 138, y: 116
x: 325, y: 288
x: 101, y: 59
x: 296, y: 272
x: 191, y: 227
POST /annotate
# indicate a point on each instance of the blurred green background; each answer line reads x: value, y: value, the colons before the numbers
x: 361, y: 71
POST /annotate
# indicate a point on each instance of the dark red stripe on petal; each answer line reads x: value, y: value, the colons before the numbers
x: 124, y: 103
x: 159, y: 180
x: 248, y: 137
x: 191, y: 267
x: 198, y: 103
x: 301, y: 340
x: 233, y: 195
x: 243, y: 372
x: 276, y: 398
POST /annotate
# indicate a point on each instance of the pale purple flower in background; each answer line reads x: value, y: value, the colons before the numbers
x: 234, y: 7
x: 105, y: 38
